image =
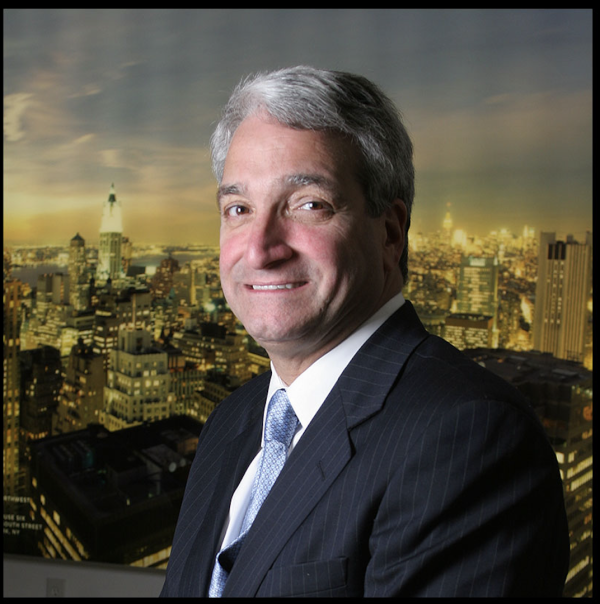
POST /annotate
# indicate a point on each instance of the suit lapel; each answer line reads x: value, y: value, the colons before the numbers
x: 239, y: 453
x: 242, y: 451
x: 310, y: 470
x: 375, y: 368
x: 325, y: 448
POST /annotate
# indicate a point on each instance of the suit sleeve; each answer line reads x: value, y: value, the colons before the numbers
x: 476, y: 510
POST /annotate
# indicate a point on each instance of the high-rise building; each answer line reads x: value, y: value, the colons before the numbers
x: 41, y: 382
x: 137, y: 386
x: 82, y: 395
x: 478, y: 286
x: 561, y: 392
x: 187, y: 379
x: 78, y: 295
x: 47, y: 323
x: 126, y: 254
x: 111, y: 236
x: 184, y: 286
x: 477, y: 291
x: 215, y: 347
x: 11, y: 304
x: 52, y: 288
x: 562, y: 292
x: 162, y: 282
x: 468, y: 330
x: 447, y: 224
x: 111, y: 496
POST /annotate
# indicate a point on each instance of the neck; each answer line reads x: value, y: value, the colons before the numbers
x: 290, y: 361
x: 289, y: 367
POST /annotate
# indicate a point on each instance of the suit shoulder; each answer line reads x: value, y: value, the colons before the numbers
x: 459, y: 377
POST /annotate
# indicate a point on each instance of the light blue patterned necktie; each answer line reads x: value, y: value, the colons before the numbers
x: 280, y: 425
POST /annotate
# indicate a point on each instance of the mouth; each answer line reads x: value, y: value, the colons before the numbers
x: 276, y: 286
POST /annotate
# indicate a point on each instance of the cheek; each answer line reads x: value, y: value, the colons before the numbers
x: 226, y: 264
x: 336, y: 262
x: 320, y: 250
x: 229, y: 252
x: 323, y: 244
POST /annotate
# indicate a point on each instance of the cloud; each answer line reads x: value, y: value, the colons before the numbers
x: 14, y: 108
x: 112, y: 158
x: 544, y: 131
x: 84, y: 139
x: 87, y: 90
x: 105, y: 77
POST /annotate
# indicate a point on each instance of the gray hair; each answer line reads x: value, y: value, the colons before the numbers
x: 312, y: 99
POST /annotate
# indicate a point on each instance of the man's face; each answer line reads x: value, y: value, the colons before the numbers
x: 302, y: 263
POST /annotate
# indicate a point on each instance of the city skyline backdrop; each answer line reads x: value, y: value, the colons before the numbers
x: 498, y: 104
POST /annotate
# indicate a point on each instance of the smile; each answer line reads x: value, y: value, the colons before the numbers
x: 275, y: 287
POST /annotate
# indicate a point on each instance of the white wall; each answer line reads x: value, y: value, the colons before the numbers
x: 26, y: 576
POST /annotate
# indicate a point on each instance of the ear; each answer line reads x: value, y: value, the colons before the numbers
x: 396, y: 217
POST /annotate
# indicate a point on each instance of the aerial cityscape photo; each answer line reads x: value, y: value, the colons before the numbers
x: 118, y: 341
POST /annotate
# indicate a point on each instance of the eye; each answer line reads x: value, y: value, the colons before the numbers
x: 315, y: 205
x: 312, y: 211
x: 234, y: 210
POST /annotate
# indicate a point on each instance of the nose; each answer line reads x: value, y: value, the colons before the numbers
x: 267, y: 244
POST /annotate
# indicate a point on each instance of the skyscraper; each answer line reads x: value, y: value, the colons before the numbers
x: 137, y: 384
x: 41, y: 382
x: 111, y: 235
x: 82, y: 396
x: 468, y: 330
x: 12, y: 297
x: 562, y: 291
x: 478, y: 286
x: 162, y: 282
x: 477, y: 291
x: 447, y: 225
x: 77, y: 273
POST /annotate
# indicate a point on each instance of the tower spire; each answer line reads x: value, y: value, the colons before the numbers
x: 111, y: 235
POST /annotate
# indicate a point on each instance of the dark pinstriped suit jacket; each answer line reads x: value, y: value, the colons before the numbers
x: 422, y: 475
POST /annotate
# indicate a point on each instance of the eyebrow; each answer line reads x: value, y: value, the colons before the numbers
x: 296, y: 180
x: 305, y: 180
x: 225, y: 190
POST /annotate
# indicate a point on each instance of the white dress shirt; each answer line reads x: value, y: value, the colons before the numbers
x: 307, y: 393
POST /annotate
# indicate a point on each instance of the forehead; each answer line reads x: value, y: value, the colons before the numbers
x: 262, y: 132
x: 262, y: 147
x: 291, y: 180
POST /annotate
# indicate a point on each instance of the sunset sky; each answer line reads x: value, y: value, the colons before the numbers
x: 498, y: 103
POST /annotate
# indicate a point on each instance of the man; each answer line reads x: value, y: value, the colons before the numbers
x: 412, y: 471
